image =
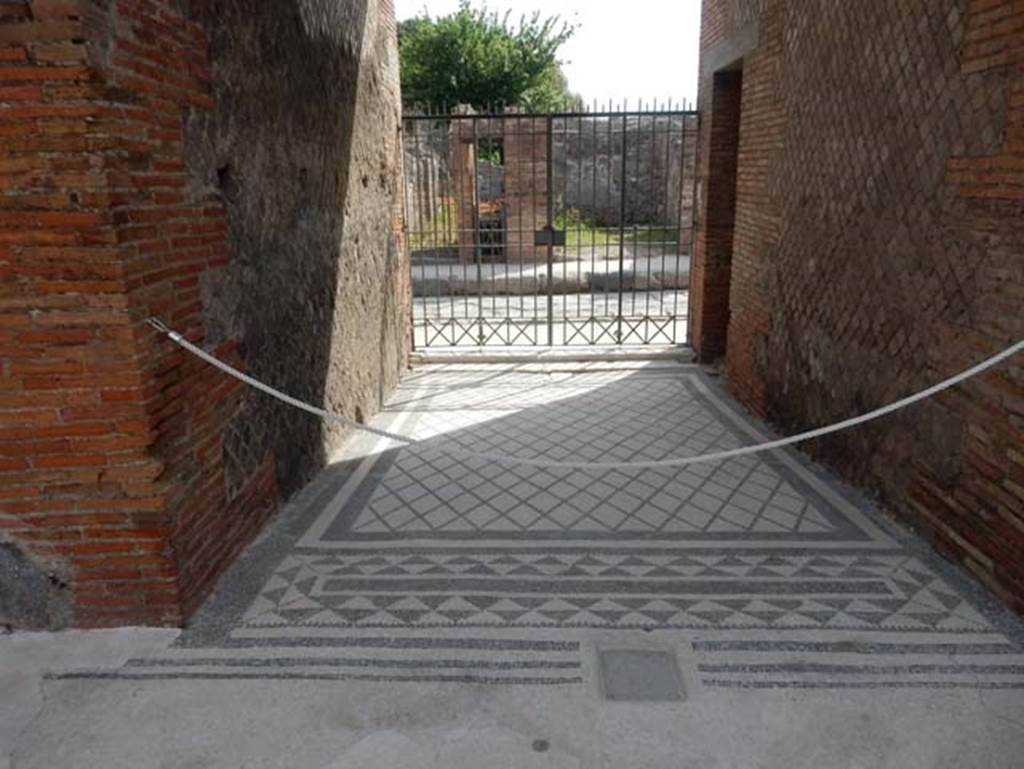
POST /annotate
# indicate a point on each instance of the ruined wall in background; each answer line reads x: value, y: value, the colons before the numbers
x: 658, y: 183
x: 878, y: 247
x: 233, y: 168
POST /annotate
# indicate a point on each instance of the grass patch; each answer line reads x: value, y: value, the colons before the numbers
x: 582, y: 232
x: 655, y: 235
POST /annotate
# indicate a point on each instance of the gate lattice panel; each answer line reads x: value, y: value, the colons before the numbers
x: 553, y: 229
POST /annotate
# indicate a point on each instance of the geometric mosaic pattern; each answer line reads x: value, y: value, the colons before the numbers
x: 417, y: 566
x: 743, y: 498
x: 611, y: 591
x: 602, y: 416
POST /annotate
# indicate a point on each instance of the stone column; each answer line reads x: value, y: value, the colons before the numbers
x: 526, y: 186
x: 465, y: 206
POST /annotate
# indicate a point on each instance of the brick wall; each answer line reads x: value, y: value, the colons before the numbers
x: 879, y: 247
x: 116, y: 477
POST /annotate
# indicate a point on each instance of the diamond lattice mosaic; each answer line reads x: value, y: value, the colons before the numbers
x: 600, y: 417
x: 411, y: 565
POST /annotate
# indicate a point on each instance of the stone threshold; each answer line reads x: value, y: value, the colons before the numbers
x: 590, y: 354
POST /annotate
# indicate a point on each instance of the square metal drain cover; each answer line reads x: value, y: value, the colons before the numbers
x: 640, y: 676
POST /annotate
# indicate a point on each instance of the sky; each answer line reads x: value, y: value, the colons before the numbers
x: 637, y: 50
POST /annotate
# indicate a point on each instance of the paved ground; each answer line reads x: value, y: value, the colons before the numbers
x: 414, y: 609
x: 577, y: 272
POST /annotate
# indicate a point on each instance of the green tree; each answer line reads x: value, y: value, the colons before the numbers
x: 474, y: 56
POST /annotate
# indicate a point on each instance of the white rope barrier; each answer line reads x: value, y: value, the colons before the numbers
x: 504, y: 459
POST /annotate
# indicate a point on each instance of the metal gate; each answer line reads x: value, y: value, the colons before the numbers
x: 550, y: 229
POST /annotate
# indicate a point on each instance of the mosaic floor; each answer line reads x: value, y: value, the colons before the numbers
x: 411, y: 564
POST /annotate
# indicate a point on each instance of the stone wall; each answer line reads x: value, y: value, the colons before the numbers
x: 233, y: 168
x: 656, y: 178
x: 877, y: 246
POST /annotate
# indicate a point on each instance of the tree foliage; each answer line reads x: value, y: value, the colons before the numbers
x: 476, y: 57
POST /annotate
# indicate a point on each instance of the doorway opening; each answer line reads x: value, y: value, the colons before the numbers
x: 713, y: 267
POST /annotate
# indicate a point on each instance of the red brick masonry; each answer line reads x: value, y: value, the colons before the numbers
x: 878, y: 247
x: 111, y: 472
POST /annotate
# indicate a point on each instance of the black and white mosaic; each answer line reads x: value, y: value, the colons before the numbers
x: 610, y: 590
x: 415, y: 565
x: 422, y: 491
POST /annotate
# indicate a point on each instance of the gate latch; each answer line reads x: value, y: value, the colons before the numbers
x: 549, y: 236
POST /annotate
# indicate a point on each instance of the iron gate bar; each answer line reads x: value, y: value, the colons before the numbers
x: 477, y: 251
x: 551, y: 224
x: 650, y: 240
x: 675, y: 298
x: 470, y: 236
x: 622, y: 227
x: 555, y: 115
